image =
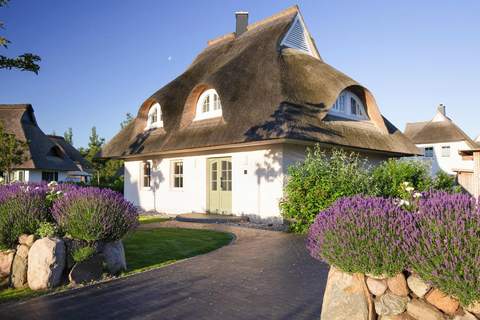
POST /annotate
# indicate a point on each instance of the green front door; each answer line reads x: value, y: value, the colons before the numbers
x: 219, y: 185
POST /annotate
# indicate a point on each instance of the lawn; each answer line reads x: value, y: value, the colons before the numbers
x: 149, y: 249
x: 145, y: 219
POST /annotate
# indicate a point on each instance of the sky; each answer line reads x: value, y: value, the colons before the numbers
x: 102, y: 59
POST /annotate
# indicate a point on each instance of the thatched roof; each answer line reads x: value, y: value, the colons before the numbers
x: 42, y: 153
x: 267, y: 92
x: 440, y: 129
x: 72, y: 153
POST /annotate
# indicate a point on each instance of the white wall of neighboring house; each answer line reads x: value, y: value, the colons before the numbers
x: 36, y: 175
x: 450, y: 163
x: 258, y: 178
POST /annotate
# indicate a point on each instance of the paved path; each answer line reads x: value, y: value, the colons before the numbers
x: 261, y: 275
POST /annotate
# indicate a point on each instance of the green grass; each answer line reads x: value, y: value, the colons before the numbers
x: 151, y: 219
x: 149, y: 249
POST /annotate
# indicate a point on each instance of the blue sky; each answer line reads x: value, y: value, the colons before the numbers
x: 102, y: 59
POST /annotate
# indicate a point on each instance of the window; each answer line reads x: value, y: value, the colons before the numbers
x: 155, y: 118
x: 297, y: 37
x: 49, y: 176
x: 147, y: 174
x: 226, y: 178
x: 177, y: 174
x: 445, y: 151
x: 428, y: 152
x: 348, y: 105
x: 208, y: 105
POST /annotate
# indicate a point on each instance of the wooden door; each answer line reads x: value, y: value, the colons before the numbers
x: 219, y: 185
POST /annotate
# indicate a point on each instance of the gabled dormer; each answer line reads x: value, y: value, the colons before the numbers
x: 298, y: 38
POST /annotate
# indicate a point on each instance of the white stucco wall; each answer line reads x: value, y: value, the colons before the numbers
x: 257, y: 181
x: 258, y: 177
x: 447, y: 164
x: 36, y: 176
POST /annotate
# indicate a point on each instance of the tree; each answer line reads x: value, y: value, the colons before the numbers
x: 68, y: 136
x: 13, y: 152
x: 24, y: 62
x: 128, y: 119
x: 94, y: 146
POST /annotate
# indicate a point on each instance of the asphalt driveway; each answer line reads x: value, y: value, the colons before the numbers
x: 261, y: 275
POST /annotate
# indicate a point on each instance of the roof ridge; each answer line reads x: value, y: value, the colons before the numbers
x: 231, y: 35
x: 15, y: 106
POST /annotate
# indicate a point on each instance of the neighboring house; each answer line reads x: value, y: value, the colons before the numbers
x: 440, y: 141
x: 49, y: 158
x: 220, y: 137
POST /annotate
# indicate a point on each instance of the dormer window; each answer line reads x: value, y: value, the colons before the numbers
x: 208, y: 105
x: 349, y: 106
x: 154, y: 119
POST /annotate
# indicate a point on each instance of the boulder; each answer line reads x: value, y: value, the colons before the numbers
x: 4, y: 283
x: 390, y: 304
x: 114, y: 256
x: 398, y: 285
x: 22, y: 251
x: 87, y: 271
x: 345, y: 297
x: 376, y: 287
x: 421, y: 310
x: 46, y: 263
x: 473, y: 308
x: 27, y: 239
x: 442, y: 301
x: 418, y: 286
x: 6, y: 260
x: 465, y: 316
x: 403, y: 316
x: 19, y: 271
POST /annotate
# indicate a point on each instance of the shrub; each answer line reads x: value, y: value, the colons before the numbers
x: 443, y: 249
x: 22, y: 209
x: 47, y: 229
x: 361, y: 234
x: 445, y: 182
x: 318, y: 182
x: 389, y: 175
x: 93, y: 214
x: 83, y: 253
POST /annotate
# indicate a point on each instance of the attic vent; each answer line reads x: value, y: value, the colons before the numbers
x: 296, y: 36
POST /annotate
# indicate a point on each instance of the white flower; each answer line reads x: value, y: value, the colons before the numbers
x: 52, y: 184
x: 36, y: 188
x: 409, y: 189
x: 417, y: 195
x: 404, y: 203
x: 59, y: 192
x: 406, y: 183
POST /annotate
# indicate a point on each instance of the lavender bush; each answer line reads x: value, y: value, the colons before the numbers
x: 93, y: 214
x: 444, y: 248
x: 361, y: 234
x: 22, y: 209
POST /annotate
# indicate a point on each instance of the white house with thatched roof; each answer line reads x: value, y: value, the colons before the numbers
x: 441, y: 141
x: 48, y: 158
x: 220, y: 137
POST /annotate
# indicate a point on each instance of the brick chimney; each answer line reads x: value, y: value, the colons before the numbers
x: 241, y: 22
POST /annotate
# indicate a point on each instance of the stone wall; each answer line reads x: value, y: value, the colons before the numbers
x: 403, y: 297
x: 47, y: 263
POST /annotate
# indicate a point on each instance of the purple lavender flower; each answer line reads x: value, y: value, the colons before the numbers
x: 361, y: 234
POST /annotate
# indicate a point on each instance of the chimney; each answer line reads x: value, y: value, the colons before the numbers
x: 242, y: 22
x: 441, y: 109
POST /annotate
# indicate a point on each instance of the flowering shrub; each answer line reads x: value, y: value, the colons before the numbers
x: 93, y: 214
x: 444, y: 247
x: 361, y: 234
x: 22, y: 209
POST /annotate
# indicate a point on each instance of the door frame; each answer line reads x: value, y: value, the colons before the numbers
x: 208, y: 182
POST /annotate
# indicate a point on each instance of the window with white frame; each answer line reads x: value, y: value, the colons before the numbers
x: 177, y: 174
x: 428, y: 152
x: 445, y: 151
x: 154, y: 118
x: 147, y: 174
x: 349, y: 105
x: 208, y: 105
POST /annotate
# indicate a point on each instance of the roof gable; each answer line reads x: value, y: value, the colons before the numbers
x: 297, y: 37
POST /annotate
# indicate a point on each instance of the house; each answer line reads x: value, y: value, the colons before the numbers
x: 49, y: 158
x: 220, y: 137
x: 440, y: 141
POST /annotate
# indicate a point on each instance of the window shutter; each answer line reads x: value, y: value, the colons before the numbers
x: 296, y: 37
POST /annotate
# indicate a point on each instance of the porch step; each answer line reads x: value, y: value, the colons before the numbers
x: 209, y: 218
